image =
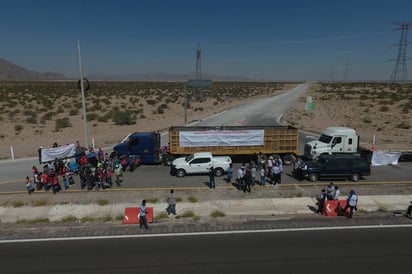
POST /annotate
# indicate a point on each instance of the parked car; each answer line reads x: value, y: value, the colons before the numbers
x: 200, y: 163
x: 337, y: 167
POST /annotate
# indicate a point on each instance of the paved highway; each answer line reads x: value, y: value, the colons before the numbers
x: 338, y: 250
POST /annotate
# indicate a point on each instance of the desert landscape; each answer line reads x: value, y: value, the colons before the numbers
x: 39, y: 113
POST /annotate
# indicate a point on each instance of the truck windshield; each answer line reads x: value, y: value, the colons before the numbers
x: 126, y: 139
x: 325, y: 139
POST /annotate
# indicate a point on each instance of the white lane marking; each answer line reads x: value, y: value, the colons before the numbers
x: 206, y: 233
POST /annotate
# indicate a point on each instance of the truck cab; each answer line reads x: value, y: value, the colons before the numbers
x: 145, y: 145
x: 333, y: 140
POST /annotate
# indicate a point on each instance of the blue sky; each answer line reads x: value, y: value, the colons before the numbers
x: 272, y: 40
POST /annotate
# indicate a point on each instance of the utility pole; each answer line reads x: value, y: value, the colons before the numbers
x: 86, y: 142
x: 400, y: 73
x: 198, y: 63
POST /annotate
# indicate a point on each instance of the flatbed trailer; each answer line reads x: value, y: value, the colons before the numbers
x: 241, y: 141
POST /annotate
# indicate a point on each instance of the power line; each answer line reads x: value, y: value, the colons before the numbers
x: 400, y: 72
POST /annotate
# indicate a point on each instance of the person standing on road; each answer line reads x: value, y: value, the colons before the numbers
x: 171, y: 200
x: 276, y: 174
x: 229, y: 173
x: 262, y: 176
x: 351, y: 203
x: 321, y: 201
x: 253, y: 172
x: 212, y: 177
x: 30, y: 188
x: 247, y: 181
x: 142, y: 215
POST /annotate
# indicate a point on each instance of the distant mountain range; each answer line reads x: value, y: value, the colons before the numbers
x: 161, y: 77
x: 10, y: 71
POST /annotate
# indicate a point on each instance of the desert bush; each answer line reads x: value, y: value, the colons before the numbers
x: 42, y: 202
x: 69, y: 219
x: 123, y: 118
x: 403, y: 125
x: 384, y: 108
x: 62, y: 123
x: 188, y: 214
x: 160, y: 216
x: 73, y: 112
x: 18, y: 203
x: 106, y: 218
x: 92, y: 116
x: 18, y: 128
x: 152, y: 200
x: 48, y: 116
x: 192, y: 199
x: 87, y: 219
x: 151, y: 102
x: 104, y: 118
x: 102, y: 202
x: 31, y: 120
x: 119, y: 217
x: 34, y: 221
x: 217, y: 214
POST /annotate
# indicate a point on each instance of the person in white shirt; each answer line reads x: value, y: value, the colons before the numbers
x: 336, y: 194
x: 352, y: 203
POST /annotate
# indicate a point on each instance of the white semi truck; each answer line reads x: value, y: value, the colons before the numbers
x: 333, y: 140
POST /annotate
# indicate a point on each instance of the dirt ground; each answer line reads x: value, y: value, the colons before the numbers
x: 388, y: 121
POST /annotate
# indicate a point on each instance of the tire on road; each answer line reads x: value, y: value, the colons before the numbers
x: 180, y: 173
x: 313, y: 177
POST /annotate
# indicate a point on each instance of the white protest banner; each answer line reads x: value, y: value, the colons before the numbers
x: 213, y: 138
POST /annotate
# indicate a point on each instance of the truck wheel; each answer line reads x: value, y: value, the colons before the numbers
x: 313, y: 177
x: 180, y: 173
x: 167, y: 160
x: 219, y: 172
x: 288, y: 159
x: 355, y: 177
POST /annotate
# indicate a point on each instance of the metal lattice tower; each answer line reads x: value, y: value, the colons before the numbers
x: 198, y: 63
x: 400, y: 73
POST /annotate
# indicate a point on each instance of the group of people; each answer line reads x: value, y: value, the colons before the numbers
x: 299, y: 169
x: 332, y: 192
x: 95, y: 169
x: 48, y: 178
x: 271, y: 168
x: 171, y: 209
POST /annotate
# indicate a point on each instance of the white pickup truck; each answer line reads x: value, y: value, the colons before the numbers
x: 200, y: 163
